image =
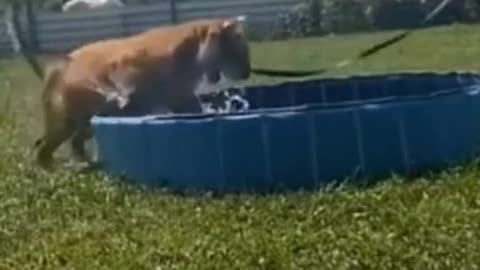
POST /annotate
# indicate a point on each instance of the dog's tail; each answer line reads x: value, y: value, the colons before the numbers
x: 49, y: 74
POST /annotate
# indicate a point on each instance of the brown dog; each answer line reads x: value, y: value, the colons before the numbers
x: 158, y: 67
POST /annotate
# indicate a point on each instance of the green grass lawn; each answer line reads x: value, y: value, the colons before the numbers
x: 64, y: 220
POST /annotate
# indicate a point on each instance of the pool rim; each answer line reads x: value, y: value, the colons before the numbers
x: 296, y: 109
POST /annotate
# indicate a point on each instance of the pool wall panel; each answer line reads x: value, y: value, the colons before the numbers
x: 303, y: 134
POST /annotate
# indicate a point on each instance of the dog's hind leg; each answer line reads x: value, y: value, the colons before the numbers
x: 54, y: 136
x: 78, y: 143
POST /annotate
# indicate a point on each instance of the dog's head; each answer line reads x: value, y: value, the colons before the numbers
x: 225, y: 50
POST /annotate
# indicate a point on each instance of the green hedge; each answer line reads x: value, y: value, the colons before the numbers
x: 320, y: 17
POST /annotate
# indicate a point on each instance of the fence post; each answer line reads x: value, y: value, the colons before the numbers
x: 123, y: 22
x: 31, y: 26
x: 173, y: 11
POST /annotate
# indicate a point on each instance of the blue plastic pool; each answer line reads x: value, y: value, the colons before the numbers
x: 303, y: 134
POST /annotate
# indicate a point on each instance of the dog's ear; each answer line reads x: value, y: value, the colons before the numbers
x: 209, y: 45
x: 234, y: 22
